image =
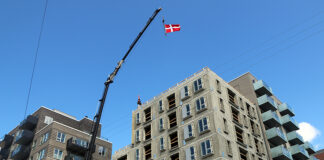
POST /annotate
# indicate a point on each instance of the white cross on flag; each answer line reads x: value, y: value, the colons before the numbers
x: 171, y: 28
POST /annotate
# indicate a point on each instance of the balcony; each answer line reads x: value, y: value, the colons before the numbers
x: 71, y: 156
x: 24, y: 137
x: 299, y: 152
x: 271, y: 119
x: 313, y: 158
x: 77, y: 146
x: 4, y: 153
x: 20, y: 152
x: 309, y: 147
x: 7, y: 141
x: 29, y: 123
x: 284, y: 109
x: 276, y: 136
x: 267, y: 103
x: 280, y: 153
x: 294, y: 138
x: 289, y: 123
x: 261, y: 88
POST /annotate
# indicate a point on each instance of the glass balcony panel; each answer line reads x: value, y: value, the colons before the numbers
x: 280, y: 153
x: 267, y: 103
x: 271, y: 119
x: 285, y: 109
x: 299, y: 152
x: 294, y: 138
x: 20, y: 152
x: 261, y: 88
x: 289, y: 123
x: 77, y: 146
x: 309, y: 147
x: 276, y: 136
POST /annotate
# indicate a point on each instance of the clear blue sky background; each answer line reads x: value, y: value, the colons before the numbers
x: 279, y: 41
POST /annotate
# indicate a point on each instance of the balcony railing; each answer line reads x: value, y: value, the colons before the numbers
x: 299, y: 152
x: 4, y: 153
x: 271, y: 119
x: 7, y: 141
x: 262, y: 88
x: 24, y: 137
x: 77, y: 146
x: 284, y: 109
x: 294, y: 138
x: 267, y: 103
x: 309, y: 147
x: 280, y: 153
x: 276, y: 136
x: 20, y: 152
x: 289, y: 123
x: 71, y: 156
x: 29, y: 123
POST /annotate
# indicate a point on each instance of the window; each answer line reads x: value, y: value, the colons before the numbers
x: 174, y: 140
x: 44, y: 138
x: 161, y: 144
x: 218, y: 86
x: 172, y: 101
x: 203, y: 124
x: 188, y: 131
x: 239, y: 135
x: 41, y: 155
x: 225, y: 126
x: 231, y: 96
x: 241, y: 104
x: 58, y: 154
x: 243, y: 154
x: 229, y: 148
x: 190, y: 153
x: 60, y: 137
x: 102, y: 151
x: 186, y: 111
x: 147, y: 113
x: 173, y: 120
x: 34, y: 144
x: 148, y: 152
x: 197, y: 85
x: 161, y: 126
x: 81, y: 142
x: 137, y: 154
x: 200, y: 103
x: 221, y: 104
x: 174, y: 156
x: 137, y: 118
x: 160, y: 106
x: 205, y: 148
x: 48, y: 120
x: 236, y: 116
x: 184, y: 92
x: 147, y: 131
x: 137, y: 136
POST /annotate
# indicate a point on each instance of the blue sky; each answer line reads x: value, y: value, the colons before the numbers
x: 278, y: 41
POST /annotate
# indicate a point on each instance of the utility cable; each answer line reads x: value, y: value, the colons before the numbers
x: 36, y: 55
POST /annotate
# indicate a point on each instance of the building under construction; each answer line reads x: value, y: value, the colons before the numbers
x: 204, y: 117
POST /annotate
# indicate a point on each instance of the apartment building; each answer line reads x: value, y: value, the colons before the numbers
x: 201, y: 117
x: 283, y: 142
x: 52, y: 135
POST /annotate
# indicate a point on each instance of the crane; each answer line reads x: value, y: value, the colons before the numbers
x: 110, y: 80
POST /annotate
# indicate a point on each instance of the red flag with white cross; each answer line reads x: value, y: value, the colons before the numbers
x: 171, y: 28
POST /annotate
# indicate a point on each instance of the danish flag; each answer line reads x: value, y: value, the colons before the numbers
x: 171, y: 28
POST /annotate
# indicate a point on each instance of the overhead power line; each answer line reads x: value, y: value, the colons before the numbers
x: 36, y: 56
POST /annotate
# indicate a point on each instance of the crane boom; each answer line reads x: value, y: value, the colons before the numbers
x: 110, y: 80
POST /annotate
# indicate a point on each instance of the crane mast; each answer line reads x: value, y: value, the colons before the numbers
x: 110, y: 80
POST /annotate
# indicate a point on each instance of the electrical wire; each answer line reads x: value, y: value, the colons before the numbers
x: 36, y: 56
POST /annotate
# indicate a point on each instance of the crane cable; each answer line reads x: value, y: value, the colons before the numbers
x: 36, y: 55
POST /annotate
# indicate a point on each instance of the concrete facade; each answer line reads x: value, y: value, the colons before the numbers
x: 279, y: 127
x: 201, y: 117
x: 54, y: 135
